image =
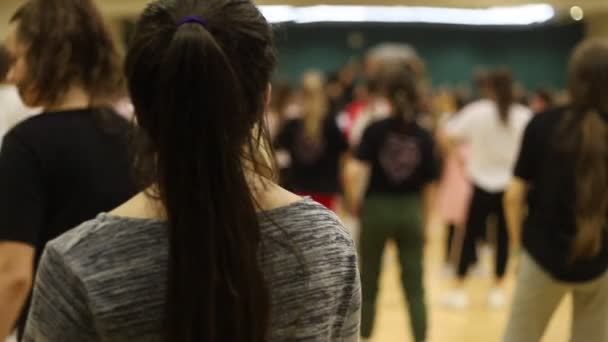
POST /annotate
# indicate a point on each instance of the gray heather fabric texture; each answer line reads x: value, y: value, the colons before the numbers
x: 105, y: 280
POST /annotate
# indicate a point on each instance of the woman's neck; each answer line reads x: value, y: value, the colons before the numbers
x: 75, y: 98
x: 146, y: 205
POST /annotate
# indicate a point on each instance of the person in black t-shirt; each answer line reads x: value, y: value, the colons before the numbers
x: 69, y: 163
x: 563, y: 171
x: 396, y: 158
x: 314, y: 145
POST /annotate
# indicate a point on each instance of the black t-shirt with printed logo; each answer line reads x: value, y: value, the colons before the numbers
x: 402, y: 157
x: 550, y: 227
x: 314, y: 163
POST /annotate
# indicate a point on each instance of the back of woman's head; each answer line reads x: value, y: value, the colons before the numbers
x: 500, y: 84
x: 584, y: 138
x: 66, y: 43
x: 402, y: 92
x: 314, y: 103
x: 198, y: 73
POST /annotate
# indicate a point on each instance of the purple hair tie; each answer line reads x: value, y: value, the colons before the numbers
x: 192, y: 19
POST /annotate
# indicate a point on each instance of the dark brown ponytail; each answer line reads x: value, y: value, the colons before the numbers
x: 199, y: 88
x: 402, y: 91
x: 500, y: 82
x: 584, y: 137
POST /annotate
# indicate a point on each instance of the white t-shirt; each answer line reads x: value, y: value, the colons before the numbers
x: 494, y: 144
x: 12, y: 110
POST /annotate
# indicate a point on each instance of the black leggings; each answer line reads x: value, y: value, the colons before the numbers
x: 482, y: 206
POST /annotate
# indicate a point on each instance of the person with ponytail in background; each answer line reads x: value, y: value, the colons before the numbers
x: 214, y: 250
x: 396, y: 166
x: 493, y: 128
x: 314, y: 145
x: 69, y: 163
x: 562, y: 171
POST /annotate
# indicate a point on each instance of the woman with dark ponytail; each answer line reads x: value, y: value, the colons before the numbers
x: 563, y: 172
x: 213, y: 250
x: 395, y: 166
x: 493, y: 128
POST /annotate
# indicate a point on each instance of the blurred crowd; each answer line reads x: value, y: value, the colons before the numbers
x: 358, y: 85
x: 378, y: 144
x: 242, y: 258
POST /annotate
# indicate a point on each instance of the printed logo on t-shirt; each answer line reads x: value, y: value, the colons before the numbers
x: 399, y: 157
x: 309, y: 150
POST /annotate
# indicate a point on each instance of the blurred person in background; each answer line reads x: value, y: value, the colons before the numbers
x: 69, y: 163
x: 541, y: 100
x: 480, y: 81
x: 455, y: 189
x: 314, y: 145
x: 562, y: 171
x: 386, y: 54
x: 336, y: 92
x: 214, y: 250
x: 393, y: 173
x: 341, y: 86
x: 561, y: 98
x: 362, y: 96
x: 377, y: 107
x: 347, y: 76
x: 380, y: 63
x: 493, y: 128
x: 12, y: 109
x: 283, y: 107
x: 520, y: 93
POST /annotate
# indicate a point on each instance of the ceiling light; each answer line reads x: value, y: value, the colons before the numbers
x: 513, y: 15
x: 577, y: 13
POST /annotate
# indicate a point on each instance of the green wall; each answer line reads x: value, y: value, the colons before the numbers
x: 538, y: 56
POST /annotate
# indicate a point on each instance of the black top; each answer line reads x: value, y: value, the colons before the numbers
x: 550, y: 227
x: 402, y: 157
x: 314, y: 164
x: 58, y: 169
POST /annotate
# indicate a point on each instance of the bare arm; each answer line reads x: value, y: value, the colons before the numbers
x: 16, y: 274
x: 514, y: 203
x: 356, y: 178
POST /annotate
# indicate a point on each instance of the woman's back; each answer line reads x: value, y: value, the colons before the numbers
x: 215, y: 270
x: 73, y: 154
x: 315, y: 163
x: 116, y: 268
x: 494, y: 143
x: 550, y: 227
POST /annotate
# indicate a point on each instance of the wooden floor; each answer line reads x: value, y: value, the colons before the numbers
x: 476, y: 324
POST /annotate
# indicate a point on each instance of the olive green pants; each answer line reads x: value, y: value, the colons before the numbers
x: 397, y: 218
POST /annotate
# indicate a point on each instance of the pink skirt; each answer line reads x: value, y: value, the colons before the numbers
x: 455, y: 189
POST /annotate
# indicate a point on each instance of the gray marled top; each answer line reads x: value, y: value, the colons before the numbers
x: 105, y: 280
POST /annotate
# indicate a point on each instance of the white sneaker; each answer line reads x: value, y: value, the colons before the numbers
x: 456, y: 299
x: 497, y: 298
x: 479, y: 270
x: 448, y: 271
